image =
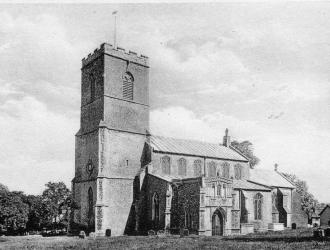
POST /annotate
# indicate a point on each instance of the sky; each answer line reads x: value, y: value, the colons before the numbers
x: 262, y: 70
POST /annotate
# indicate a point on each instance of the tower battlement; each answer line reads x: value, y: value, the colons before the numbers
x: 118, y: 52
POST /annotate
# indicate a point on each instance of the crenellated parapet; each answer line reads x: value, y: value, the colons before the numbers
x: 109, y: 49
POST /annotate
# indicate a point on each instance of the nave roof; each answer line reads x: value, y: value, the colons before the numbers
x: 194, y: 148
x: 269, y: 178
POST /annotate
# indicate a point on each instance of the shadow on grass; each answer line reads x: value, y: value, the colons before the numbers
x: 277, y: 239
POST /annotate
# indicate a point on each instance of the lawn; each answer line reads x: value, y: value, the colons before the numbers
x: 289, y: 239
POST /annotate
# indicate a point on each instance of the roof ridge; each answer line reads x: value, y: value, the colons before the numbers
x: 327, y: 205
x: 191, y: 140
x: 288, y: 179
x: 195, y: 148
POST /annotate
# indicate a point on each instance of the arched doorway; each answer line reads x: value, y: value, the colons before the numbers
x: 217, y: 223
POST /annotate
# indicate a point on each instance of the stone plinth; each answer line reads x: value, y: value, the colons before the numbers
x: 247, y: 228
x: 276, y: 226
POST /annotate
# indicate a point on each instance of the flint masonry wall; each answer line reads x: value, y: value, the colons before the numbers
x: 159, y: 186
x: 299, y: 217
x: 185, y: 205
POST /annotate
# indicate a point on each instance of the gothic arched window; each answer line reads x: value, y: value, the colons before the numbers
x: 90, y: 206
x: 182, y: 168
x: 238, y: 171
x: 212, y: 169
x: 128, y: 87
x: 257, y: 206
x: 92, y: 86
x: 198, y: 168
x: 166, y: 165
x: 225, y: 170
x: 155, y: 209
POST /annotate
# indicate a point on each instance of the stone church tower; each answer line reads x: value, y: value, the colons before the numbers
x: 113, y: 130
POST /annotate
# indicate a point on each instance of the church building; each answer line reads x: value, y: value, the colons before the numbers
x: 130, y: 181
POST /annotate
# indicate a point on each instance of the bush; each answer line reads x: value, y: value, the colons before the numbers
x: 76, y: 228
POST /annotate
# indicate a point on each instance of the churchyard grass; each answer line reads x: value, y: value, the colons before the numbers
x: 289, y: 239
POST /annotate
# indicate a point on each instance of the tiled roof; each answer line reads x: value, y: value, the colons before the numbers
x: 321, y: 208
x: 269, y: 178
x: 197, y: 148
x: 246, y: 185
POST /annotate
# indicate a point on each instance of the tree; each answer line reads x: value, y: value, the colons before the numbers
x: 36, y: 212
x: 246, y: 149
x: 54, y: 196
x: 3, y: 189
x: 13, y: 211
x: 308, y: 201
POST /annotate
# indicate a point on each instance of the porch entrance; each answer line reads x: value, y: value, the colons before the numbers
x: 217, y: 223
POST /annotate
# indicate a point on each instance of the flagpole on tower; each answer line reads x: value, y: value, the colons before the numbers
x: 114, y: 13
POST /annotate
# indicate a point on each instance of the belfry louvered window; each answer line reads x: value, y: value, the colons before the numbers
x: 128, y: 86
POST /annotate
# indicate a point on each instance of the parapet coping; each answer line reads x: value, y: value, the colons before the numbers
x: 109, y: 49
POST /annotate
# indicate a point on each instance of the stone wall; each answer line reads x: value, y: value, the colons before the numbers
x: 117, y: 213
x: 126, y: 116
x: 325, y: 217
x: 114, y: 69
x: 299, y: 217
x: 285, y: 206
x: 151, y: 185
x: 266, y: 216
x: 92, y: 109
x: 80, y: 195
x: 86, y: 151
x: 122, y: 154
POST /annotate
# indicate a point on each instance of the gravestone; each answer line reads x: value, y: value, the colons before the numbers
x: 151, y: 233
x: 82, y: 235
